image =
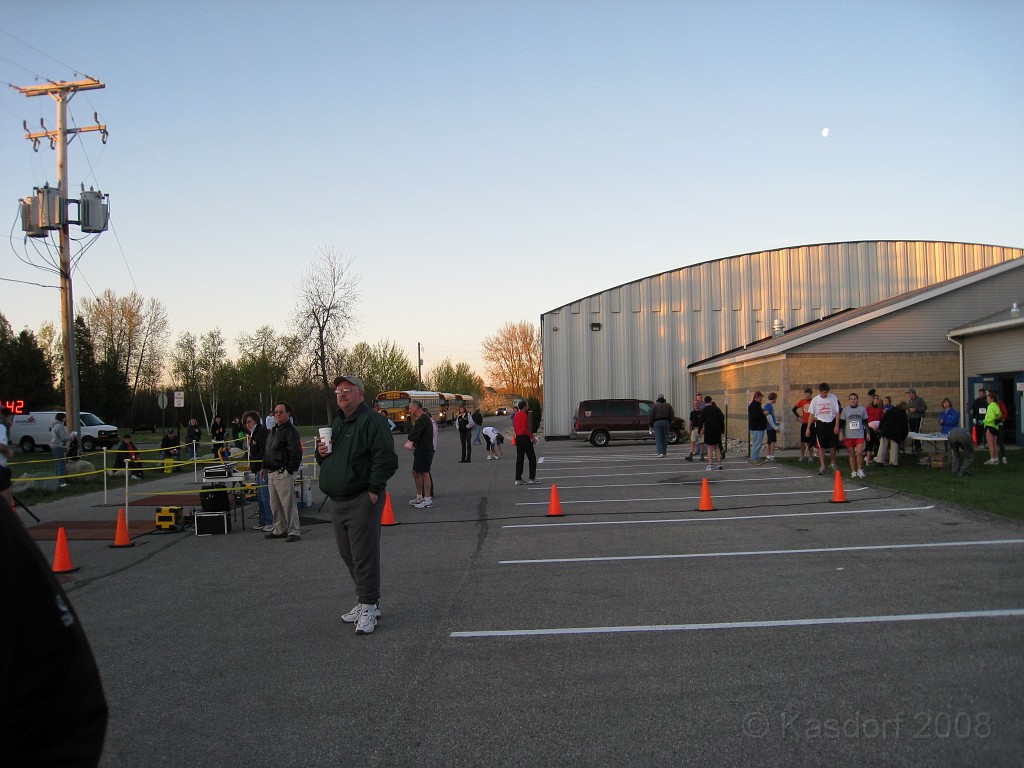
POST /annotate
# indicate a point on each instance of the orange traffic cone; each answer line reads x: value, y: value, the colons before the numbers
x: 121, y: 538
x: 61, y: 556
x: 388, y: 515
x: 705, y: 497
x: 554, y: 505
x: 838, y: 494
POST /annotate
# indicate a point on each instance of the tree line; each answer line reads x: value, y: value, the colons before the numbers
x: 126, y: 359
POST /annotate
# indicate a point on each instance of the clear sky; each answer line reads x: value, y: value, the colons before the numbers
x: 484, y: 162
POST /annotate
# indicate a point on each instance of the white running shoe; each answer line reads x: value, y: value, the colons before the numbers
x: 353, y: 616
x: 425, y: 504
x: 367, y: 621
x: 414, y: 502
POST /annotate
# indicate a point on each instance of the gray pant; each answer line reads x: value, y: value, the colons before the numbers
x: 961, y: 451
x: 357, y: 532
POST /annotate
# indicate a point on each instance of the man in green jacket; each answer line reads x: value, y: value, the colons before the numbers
x: 354, y: 471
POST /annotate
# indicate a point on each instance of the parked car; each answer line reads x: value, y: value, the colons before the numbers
x: 501, y: 411
x: 601, y: 421
x: 33, y: 429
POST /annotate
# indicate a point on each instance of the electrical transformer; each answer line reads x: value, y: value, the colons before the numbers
x: 92, y: 212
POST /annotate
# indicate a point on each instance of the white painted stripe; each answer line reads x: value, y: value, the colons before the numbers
x: 660, y: 484
x: 719, y: 519
x: 755, y: 553
x: 680, y: 498
x: 946, y: 616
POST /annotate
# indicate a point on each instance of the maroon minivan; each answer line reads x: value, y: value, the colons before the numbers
x: 601, y: 421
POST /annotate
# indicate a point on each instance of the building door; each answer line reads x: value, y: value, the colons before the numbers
x: 1009, y: 386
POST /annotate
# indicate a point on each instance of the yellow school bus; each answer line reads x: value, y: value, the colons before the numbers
x: 395, y: 405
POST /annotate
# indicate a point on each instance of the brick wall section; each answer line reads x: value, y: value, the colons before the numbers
x: 934, y: 376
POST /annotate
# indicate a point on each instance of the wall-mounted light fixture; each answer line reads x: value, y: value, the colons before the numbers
x: 595, y: 326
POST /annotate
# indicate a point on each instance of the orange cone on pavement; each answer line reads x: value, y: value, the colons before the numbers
x: 705, y: 497
x: 61, y: 555
x: 554, y: 505
x: 838, y: 494
x: 121, y: 538
x: 388, y: 515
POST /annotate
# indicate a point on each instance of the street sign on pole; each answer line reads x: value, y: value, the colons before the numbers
x: 161, y: 400
x: 179, y: 398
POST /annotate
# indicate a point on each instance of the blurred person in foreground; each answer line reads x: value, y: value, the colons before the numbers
x: 52, y: 708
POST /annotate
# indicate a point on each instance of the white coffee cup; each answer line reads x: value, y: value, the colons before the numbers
x: 326, y: 434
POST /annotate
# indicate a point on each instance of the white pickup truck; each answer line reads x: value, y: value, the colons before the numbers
x: 33, y: 429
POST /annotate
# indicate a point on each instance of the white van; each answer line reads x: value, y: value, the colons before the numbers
x: 33, y: 429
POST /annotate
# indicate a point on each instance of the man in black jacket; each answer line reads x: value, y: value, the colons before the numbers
x: 281, y: 460
x: 893, y: 428
x: 757, y: 423
x: 421, y: 436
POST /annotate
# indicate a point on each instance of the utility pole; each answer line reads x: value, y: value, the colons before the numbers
x: 419, y: 359
x: 62, y: 92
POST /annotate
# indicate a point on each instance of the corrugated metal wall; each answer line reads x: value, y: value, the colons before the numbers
x: 995, y: 352
x: 635, y: 340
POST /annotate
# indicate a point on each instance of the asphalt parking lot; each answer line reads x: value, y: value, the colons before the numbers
x: 777, y: 629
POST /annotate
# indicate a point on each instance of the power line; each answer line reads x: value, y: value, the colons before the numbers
x: 44, y: 53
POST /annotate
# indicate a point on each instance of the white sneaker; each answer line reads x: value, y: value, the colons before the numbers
x: 992, y: 461
x: 426, y: 503
x: 414, y: 502
x: 532, y: 482
x: 523, y: 482
x: 367, y: 621
x: 489, y: 458
x: 353, y: 616
x: 854, y: 475
x: 1003, y: 460
x: 709, y: 467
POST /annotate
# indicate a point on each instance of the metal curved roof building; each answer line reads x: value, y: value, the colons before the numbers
x: 636, y: 339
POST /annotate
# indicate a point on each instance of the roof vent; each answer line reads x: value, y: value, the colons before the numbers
x: 778, y: 327
x: 1015, y: 310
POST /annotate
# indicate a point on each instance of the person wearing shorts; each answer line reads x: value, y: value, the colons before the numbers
x: 421, y: 439
x: 494, y: 440
x: 854, y: 418
x: 824, y: 411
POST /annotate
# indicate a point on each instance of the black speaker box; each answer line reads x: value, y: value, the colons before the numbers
x: 214, y: 498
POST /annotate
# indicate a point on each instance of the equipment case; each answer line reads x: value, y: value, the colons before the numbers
x: 212, y: 523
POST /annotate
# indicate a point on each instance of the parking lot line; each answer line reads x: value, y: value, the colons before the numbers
x: 705, y: 519
x: 833, y: 620
x: 664, y: 483
x: 682, y: 498
x: 755, y: 553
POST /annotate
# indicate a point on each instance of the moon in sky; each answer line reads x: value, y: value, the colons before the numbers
x: 824, y: 133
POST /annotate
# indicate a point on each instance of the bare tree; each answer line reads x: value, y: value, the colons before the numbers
x: 512, y: 358
x: 383, y: 366
x: 325, y: 311
x: 457, y: 379
x: 263, y: 362
x: 130, y: 333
